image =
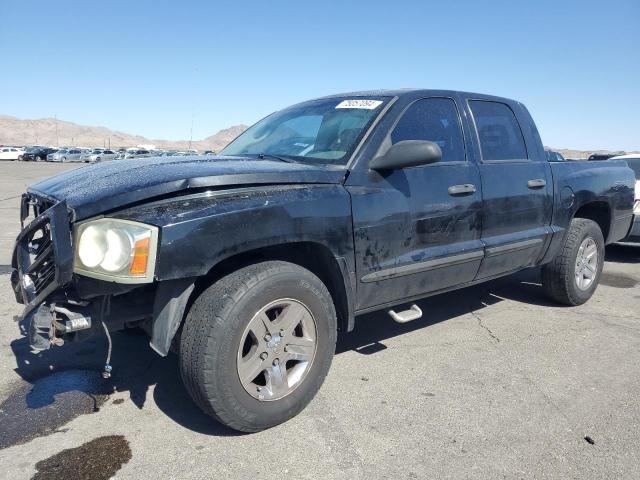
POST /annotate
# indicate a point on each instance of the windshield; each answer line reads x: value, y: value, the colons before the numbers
x: 320, y: 131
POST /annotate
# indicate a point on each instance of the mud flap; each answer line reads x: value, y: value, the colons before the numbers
x: 168, y: 309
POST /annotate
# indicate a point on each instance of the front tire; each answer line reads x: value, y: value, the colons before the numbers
x: 257, y: 345
x: 574, y: 274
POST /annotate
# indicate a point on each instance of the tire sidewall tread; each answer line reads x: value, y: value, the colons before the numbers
x: 558, y: 277
x: 211, y: 336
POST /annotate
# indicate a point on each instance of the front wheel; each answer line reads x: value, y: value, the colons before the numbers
x: 573, y: 275
x: 257, y: 345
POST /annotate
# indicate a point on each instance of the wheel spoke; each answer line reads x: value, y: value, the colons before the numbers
x: 290, y: 317
x: 300, y: 348
x: 590, y: 252
x: 277, y: 379
x: 250, y: 366
x: 589, y: 271
x: 261, y: 325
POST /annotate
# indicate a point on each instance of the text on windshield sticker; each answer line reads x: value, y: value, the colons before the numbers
x: 360, y: 103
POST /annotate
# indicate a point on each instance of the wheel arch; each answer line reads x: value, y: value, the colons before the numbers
x: 175, y: 297
x: 598, y: 211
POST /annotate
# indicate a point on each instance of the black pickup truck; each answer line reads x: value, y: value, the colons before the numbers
x: 250, y: 262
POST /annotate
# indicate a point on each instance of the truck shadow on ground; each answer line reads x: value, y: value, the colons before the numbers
x: 136, y: 368
x: 623, y: 253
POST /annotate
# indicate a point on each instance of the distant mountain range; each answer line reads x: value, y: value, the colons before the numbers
x: 49, y: 131
x: 52, y: 132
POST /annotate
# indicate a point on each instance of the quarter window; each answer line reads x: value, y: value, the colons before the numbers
x: 498, y: 131
x: 436, y: 120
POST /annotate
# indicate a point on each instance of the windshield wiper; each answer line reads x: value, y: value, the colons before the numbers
x: 262, y: 156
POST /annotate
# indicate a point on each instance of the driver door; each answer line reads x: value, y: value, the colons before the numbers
x: 417, y: 229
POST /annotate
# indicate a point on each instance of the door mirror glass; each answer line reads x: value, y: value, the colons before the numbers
x: 407, y: 153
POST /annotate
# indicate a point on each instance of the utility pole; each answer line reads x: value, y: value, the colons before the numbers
x: 57, y: 138
x: 193, y: 105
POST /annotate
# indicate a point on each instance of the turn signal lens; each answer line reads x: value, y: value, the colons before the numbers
x: 140, y: 257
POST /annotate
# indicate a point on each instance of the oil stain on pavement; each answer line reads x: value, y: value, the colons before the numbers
x: 45, y: 405
x: 98, y: 459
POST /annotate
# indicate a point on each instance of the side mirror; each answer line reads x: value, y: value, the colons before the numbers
x: 407, y: 153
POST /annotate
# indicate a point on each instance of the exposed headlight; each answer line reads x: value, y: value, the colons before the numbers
x: 116, y: 250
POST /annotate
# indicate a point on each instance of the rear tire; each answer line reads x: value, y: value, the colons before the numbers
x: 571, y: 278
x: 217, y: 339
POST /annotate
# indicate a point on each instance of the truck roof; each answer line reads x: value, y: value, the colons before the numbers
x: 415, y: 92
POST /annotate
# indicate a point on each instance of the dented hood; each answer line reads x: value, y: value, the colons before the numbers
x: 110, y: 185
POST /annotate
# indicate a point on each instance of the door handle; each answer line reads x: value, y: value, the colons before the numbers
x: 537, y: 183
x: 466, y: 189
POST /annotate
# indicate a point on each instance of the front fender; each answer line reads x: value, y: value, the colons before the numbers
x: 204, y: 231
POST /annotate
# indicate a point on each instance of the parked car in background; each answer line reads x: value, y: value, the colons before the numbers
x: 633, y: 160
x: 86, y: 154
x: 74, y: 155
x: 56, y: 156
x: 553, y: 156
x: 11, y: 153
x: 65, y: 155
x: 102, y: 155
x: 37, y: 153
x: 137, y: 153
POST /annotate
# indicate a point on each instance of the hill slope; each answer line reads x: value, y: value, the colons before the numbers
x: 49, y: 131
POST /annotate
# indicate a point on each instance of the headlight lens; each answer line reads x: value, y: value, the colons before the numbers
x: 116, y: 250
x: 636, y: 208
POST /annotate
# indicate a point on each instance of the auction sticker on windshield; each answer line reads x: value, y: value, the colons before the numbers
x: 360, y: 103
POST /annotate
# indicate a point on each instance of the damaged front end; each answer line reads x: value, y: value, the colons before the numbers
x: 42, y: 264
x: 60, y: 306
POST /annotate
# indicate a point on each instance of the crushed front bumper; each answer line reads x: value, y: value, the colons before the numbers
x: 42, y: 263
x: 42, y: 256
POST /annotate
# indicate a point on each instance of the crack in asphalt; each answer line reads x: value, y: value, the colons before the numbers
x: 483, y: 326
x: 10, y: 198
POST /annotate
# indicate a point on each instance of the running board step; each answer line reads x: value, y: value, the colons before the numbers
x: 405, y: 316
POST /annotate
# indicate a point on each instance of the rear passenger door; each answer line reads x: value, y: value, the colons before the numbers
x: 517, y: 193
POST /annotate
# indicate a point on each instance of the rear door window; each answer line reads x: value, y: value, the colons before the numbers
x: 435, y: 120
x: 498, y: 130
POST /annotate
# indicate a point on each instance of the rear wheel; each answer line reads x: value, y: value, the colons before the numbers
x: 257, y: 345
x: 573, y: 275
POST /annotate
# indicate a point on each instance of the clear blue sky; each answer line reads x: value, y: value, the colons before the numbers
x: 142, y: 66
